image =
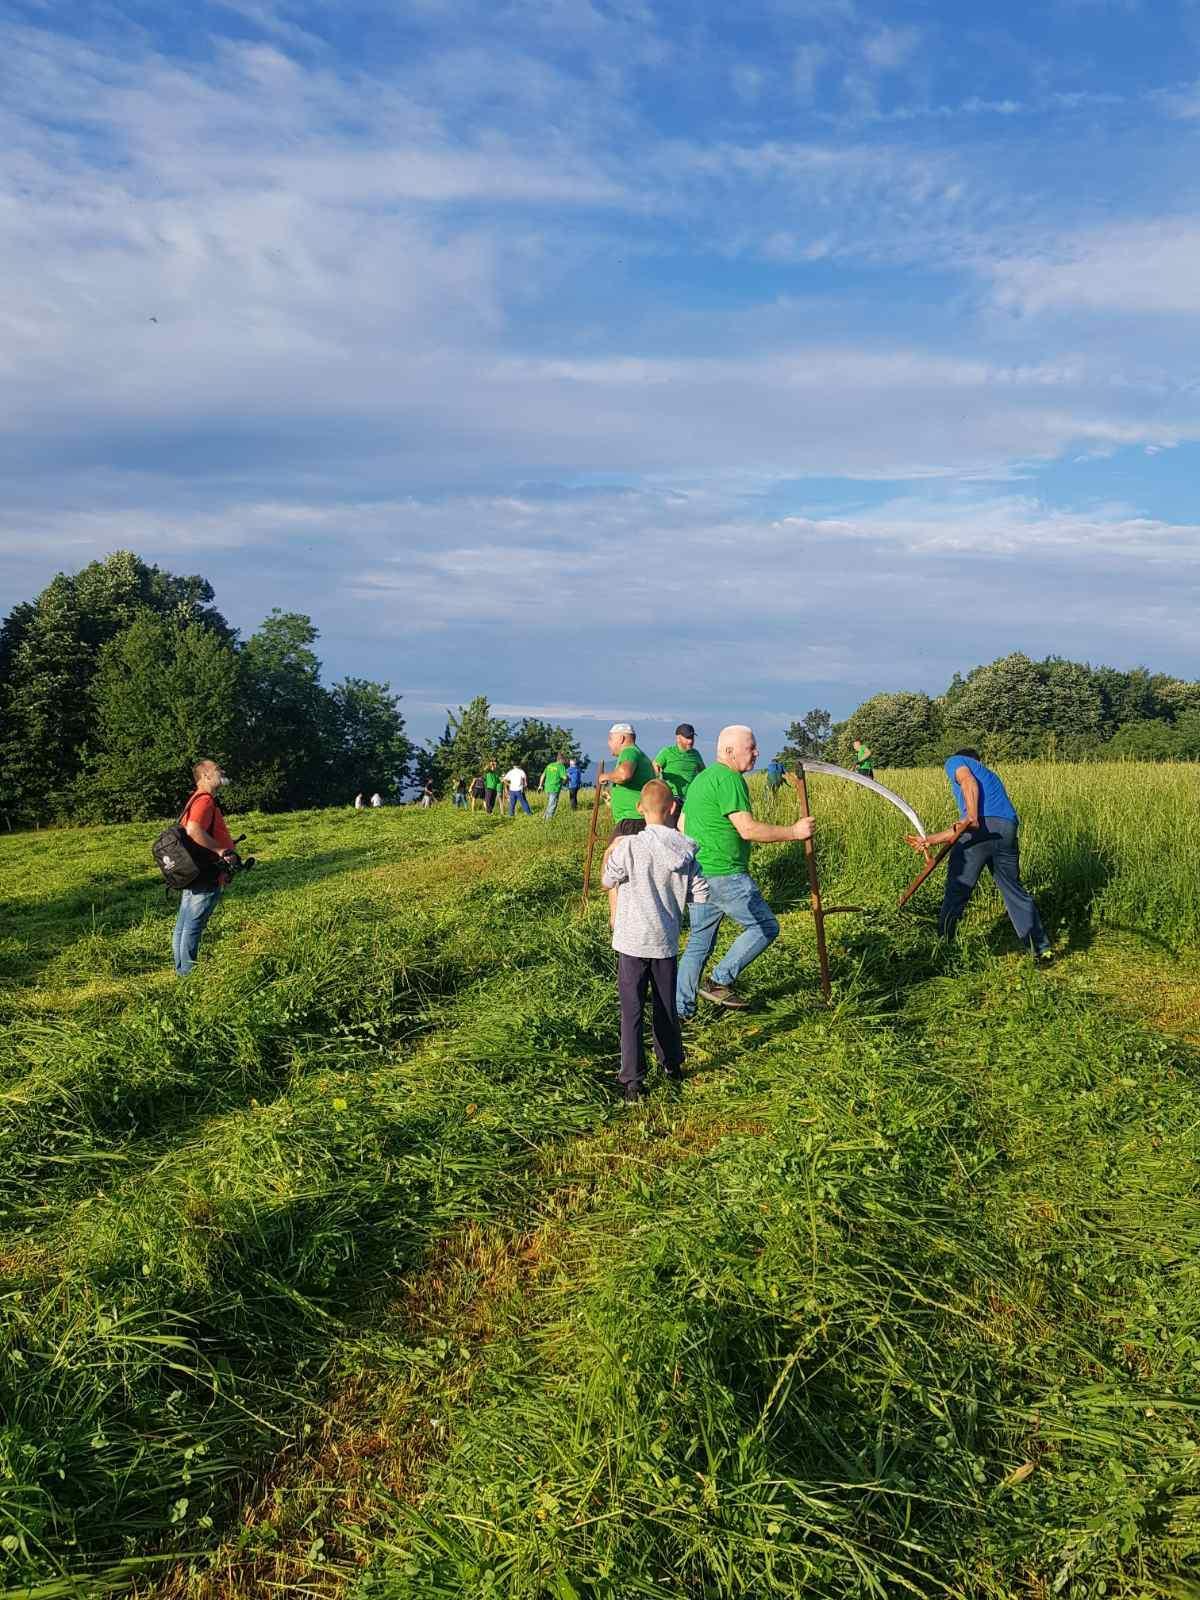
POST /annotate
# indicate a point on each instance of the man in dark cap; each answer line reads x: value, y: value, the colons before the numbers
x: 677, y: 764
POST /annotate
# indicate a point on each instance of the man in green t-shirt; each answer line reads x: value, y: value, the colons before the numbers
x: 491, y: 787
x: 677, y: 764
x: 630, y: 775
x: 552, y: 782
x: 864, y: 761
x: 717, y: 815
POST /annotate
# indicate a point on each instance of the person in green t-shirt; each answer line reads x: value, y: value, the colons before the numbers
x: 677, y: 764
x: 630, y: 775
x: 864, y: 761
x: 552, y: 782
x: 491, y: 787
x: 717, y: 815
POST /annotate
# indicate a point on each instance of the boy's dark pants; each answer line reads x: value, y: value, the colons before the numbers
x: 636, y: 974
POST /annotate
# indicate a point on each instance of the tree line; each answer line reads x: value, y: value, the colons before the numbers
x: 1017, y: 709
x: 115, y: 679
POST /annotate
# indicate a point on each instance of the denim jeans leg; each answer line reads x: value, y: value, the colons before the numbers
x: 743, y: 902
x: 195, y: 908
x: 1018, y: 902
x: 551, y: 803
x: 704, y: 922
x: 967, y: 861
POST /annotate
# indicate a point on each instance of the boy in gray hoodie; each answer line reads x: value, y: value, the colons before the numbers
x: 656, y: 874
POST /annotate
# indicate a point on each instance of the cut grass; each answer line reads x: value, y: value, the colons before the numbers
x: 344, y: 1242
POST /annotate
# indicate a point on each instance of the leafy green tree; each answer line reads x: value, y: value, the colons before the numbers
x: 49, y: 653
x: 372, y: 751
x: 164, y: 695
x: 472, y: 738
x: 288, y: 730
x: 899, y: 728
x: 811, y: 737
x: 534, y: 744
x: 1021, y: 707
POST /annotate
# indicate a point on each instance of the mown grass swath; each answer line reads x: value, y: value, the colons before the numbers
x: 900, y: 1296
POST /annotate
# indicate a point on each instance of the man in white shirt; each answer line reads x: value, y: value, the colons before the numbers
x: 516, y: 781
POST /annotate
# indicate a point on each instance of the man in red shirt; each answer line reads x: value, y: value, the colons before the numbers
x: 206, y: 827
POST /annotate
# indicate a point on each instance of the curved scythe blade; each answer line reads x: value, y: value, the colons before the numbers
x: 830, y: 771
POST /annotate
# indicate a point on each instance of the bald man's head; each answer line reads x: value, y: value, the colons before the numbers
x: 736, y: 747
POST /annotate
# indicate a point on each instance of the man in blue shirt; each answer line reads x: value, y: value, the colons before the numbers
x: 574, y: 779
x: 990, y: 840
x: 774, y: 773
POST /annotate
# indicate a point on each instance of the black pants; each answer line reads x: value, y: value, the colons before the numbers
x: 636, y: 974
x: 489, y: 800
x: 574, y: 794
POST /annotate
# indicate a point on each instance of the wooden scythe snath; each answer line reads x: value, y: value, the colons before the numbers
x: 591, y: 839
x: 799, y: 783
x: 932, y: 863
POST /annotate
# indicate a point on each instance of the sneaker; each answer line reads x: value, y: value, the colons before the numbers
x: 631, y: 1093
x: 722, y: 994
x: 1044, y: 958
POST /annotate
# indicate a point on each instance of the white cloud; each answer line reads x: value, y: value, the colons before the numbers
x: 1145, y: 267
x: 890, y: 48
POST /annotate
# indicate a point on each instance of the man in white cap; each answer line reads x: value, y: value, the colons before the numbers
x: 717, y: 815
x: 631, y: 774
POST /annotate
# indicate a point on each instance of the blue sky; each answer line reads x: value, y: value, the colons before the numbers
x: 616, y: 359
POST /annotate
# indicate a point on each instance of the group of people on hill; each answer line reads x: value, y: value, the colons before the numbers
x: 680, y: 846
x: 509, y: 790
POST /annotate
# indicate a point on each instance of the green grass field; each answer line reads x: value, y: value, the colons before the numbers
x: 337, y: 1270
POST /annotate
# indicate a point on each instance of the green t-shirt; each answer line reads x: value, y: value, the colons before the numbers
x: 711, y: 797
x: 554, y: 777
x: 491, y: 781
x: 625, y: 795
x: 679, y: 767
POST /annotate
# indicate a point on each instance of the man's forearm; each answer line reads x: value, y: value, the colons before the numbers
x: 765, y: 832
x: 201, y: 837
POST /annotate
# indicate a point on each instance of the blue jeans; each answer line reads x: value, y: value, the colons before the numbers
x: 551, y: 803
x: 515, y: 795
x: 733, y: 895
x: 195, y: 908
x: 459, y: 799
x: 995, y: 847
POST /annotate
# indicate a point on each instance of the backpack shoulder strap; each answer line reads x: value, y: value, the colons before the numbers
x: 184, y: 812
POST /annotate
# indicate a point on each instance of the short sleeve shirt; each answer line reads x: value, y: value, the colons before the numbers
x: 679, y: 767
x: 204, y: 810
x: 555, y: 776
x: 574, y: 776
x: 712, y: 798
x: 490, y: 781
x: 625, y: 795
x: 515, y: 779
x: 993, y: 796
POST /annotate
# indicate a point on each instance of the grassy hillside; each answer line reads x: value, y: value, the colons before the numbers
x: 337, y: 1270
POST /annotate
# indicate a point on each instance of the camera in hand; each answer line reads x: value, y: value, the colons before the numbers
x: 233, y: 863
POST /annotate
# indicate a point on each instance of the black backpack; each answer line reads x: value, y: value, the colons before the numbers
x: 183, y: 863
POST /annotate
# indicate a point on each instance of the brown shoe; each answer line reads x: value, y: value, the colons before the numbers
x: 722, y: 994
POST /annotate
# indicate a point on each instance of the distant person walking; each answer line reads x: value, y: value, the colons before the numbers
x: 864, y: 761
x: 718, y: 816
x: 427, y: 796
x: 376, y: 800
x: 478, y: 789
x: 654, y: 874
x: 459, y: 796
x: 677, y: 764
x: 517, y: 781
x: 553, y: 779
x: 491, y: 788
x: 991, y: 841
x: 574, y: 781
x: 774, y: 773
x: 358, y: 802
x: 630, y: 775
x: 205, y: 826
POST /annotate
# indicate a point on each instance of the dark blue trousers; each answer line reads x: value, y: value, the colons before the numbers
x: 995, y: 847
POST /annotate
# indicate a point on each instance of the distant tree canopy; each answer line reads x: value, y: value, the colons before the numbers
x: 473, y: 737
x: 1019, y: 709
x: 115, y: 680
